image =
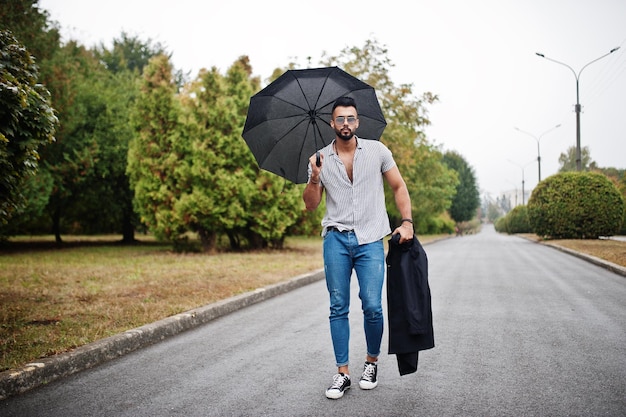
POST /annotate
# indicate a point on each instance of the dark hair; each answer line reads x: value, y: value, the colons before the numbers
x: 344, y: 102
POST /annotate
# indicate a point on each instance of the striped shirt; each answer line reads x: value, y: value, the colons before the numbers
x: 357, y: 205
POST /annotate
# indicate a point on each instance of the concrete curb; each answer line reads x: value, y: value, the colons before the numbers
x: 618, y: 269
x: 34, y: 374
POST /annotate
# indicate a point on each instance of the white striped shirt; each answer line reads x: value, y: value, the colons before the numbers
x: 357, y: 205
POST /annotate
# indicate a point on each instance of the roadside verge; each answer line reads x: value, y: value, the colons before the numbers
x: 593, y: 259
x: 49, y: 369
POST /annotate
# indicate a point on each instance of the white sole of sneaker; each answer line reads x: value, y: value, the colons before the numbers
x: 368, y: 385
x: 335, y: 395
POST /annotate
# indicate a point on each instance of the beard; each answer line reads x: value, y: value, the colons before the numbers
x: 344, y: 136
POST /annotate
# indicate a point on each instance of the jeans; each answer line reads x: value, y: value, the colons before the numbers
x: 342, y: 254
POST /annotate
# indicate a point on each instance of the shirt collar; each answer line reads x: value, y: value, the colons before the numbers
x: 332, y: 148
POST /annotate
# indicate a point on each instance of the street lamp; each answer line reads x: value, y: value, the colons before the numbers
x: 577, y: 107
x: 522, y: 168
x: 538, y: 139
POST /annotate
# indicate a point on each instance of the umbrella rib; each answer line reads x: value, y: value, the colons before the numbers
x: 307, y: 98
x: 280, y: 139
x: 316, y: 132
x: 304, y: 111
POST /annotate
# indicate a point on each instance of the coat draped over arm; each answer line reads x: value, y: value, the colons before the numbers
x: 408, y: 303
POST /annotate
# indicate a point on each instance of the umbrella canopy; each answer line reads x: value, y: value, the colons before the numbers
x: 289, y: 120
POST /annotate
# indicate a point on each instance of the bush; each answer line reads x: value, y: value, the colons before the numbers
x: 500, y: 224
x: 576, y: 205
x: 434, y: 225
x: 515, y: 221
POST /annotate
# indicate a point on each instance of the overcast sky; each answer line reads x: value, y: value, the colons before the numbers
x: 477, y: 56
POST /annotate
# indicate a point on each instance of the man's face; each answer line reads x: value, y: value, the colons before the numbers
x: 345, y: 122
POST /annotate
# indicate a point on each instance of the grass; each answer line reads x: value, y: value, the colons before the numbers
x: 613, y: 251
x: 55, y: 299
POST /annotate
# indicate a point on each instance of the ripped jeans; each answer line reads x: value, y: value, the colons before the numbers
x: 342, y: 254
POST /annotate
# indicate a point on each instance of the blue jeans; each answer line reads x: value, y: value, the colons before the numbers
x: 342, y: 254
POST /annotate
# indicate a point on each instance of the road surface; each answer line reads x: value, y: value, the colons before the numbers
x: 521, y: 329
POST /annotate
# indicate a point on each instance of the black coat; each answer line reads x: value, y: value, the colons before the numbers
x: 408, y: 303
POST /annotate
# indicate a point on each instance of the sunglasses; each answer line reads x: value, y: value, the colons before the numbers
x: 340, y: 120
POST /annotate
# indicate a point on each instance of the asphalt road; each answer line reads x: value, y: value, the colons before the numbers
x: 521, y: 329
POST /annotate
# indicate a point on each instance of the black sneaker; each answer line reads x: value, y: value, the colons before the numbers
x: 368, y: 379
x: 341, y: 382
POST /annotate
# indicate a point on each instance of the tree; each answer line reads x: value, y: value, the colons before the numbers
x: 218, y: 183
x: 567, y: 161
x: 431, y: 184
x: 64, y: 163
x: 103, y: 202
x: 27, y: 122
x: 32, y: 28
x: 131, y: 53
x: 156, y: 156
x: 84, y: 173
x: 192, y: 171
x: 124, y: 63
x: 225, y: 192
x: 77, y: 91
x: 494, y: 211
x: 504, y: 203
x: 87, y: 164
x: 467, y: 198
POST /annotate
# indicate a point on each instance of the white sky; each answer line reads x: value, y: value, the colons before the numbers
x: 477, y: 56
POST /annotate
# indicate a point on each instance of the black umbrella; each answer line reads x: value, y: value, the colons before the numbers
x: 289, y: 120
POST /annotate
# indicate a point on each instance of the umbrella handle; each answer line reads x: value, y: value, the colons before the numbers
x: 318, y: 162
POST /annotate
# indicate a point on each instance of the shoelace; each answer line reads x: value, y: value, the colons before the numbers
x: 338, y: 381
x: 368, y: 372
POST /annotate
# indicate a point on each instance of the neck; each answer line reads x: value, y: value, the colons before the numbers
x: 345, y: 145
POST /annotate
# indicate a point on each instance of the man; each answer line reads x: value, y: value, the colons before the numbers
x: 351, y: 171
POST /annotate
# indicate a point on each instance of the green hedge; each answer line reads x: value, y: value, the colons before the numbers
x: 576, y: 205
x: 515, y: 221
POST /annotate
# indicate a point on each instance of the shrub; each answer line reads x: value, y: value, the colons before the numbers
x: 500, y: 224
x: 515, y: 221
x: 434, y: 225
x: 576, y: 205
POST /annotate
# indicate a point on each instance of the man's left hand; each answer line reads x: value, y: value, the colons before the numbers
x: 405, y: 231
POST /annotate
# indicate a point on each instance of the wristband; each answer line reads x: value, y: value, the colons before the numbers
x: 406, y: 220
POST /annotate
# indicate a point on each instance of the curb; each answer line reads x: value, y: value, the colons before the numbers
x: 618, y: 269
x: 31, y: 375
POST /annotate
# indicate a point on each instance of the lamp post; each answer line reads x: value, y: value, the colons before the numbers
x: 522, y: 168
x: 538, y: 139
x: 577, y: 107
